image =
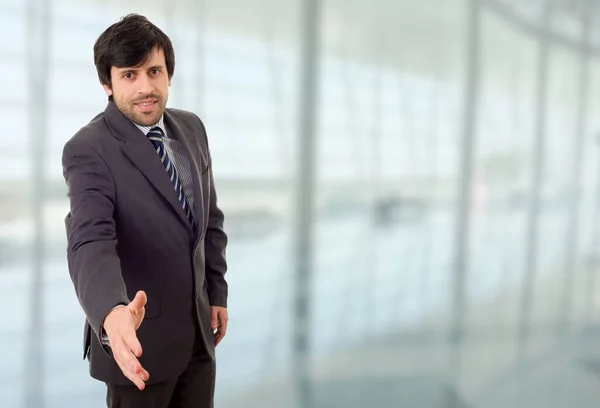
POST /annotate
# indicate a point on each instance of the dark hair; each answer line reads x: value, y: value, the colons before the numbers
x: 129, y: 43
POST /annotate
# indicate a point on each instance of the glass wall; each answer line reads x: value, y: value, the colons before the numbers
x: 448, y: 237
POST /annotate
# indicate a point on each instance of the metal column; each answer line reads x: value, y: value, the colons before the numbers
x: 539, y: 146
x: 370, y: 274
x: 463, y: 224
x: 200, y: 74
x: 580, y: 131
x: 38, y: 32
x: 304, y: 199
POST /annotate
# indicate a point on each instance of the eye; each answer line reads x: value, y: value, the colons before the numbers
x: 155, y: 71
x: 128, y: 75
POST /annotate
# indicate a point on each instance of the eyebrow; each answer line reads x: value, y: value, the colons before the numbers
x: 125, y: 70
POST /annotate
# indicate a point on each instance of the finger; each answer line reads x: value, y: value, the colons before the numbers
x: 132, y: 344
x: 133, y: 377
x: 130, y: 367
x: 219, y: 334
x: 144, y: 375
x: 136, y: 370
x: 125, y: 357
x: 223, y: 326
x: 218, y: 337
x: 214, y: 319
x: 139, y: 318
x: 139, y: 301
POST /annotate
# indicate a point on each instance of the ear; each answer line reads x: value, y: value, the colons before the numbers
x: 107, y: 89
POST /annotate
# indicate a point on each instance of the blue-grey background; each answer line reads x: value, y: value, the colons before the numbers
x: 411, y: 191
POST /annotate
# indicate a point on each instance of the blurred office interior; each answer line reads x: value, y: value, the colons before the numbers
x: 411, y: 191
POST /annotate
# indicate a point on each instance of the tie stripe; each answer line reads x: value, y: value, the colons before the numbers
x: 156, y: 137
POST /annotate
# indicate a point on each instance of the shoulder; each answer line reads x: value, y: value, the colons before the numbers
x: 89, y: 135
x: 188, y: 118
x: 91, y: 139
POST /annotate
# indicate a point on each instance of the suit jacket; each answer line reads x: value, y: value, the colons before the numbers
x: 127, y: 231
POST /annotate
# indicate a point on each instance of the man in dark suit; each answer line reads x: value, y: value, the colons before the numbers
x: 146, y: 246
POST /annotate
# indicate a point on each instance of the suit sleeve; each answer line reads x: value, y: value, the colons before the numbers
x: 93, y: 262
x: 215, y: 243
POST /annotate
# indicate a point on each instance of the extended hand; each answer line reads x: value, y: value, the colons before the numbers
x: 218, y: 322
x: 120, y: 326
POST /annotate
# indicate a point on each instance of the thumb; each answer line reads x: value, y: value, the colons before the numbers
x: 139, y: 301
x: 214, y: 319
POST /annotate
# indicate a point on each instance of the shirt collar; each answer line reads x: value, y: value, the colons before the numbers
x: 146, y: 129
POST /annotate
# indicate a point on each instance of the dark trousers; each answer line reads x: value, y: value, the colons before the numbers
x: 194, y: 388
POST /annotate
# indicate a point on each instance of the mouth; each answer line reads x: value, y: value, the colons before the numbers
x: 147, y: 105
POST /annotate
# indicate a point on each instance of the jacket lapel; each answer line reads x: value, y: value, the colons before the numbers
x: 185, y: 135
x: 140, y: 151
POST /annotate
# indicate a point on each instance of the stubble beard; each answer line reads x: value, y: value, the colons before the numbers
x: 130, y: 110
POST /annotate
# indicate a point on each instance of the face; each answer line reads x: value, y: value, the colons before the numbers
x: 141, y: 92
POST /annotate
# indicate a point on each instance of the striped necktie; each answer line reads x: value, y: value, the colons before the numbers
x: 156, y: 137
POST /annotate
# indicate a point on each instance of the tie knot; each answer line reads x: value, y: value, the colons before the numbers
x: 156, y: 131
x: 155, y: 135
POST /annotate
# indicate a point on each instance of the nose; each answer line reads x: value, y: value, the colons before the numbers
x: 145, y: 85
